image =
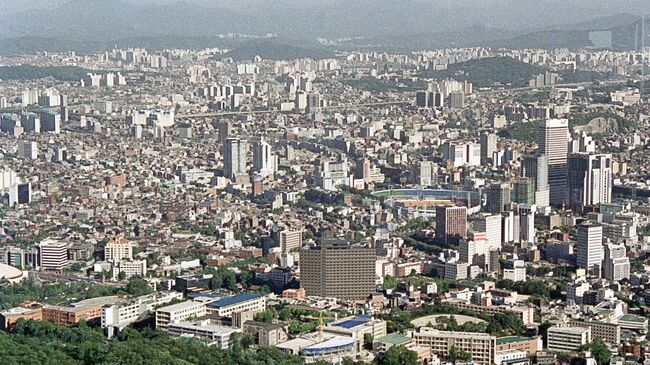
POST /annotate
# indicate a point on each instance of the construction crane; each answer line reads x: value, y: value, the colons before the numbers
x: 320, y: 322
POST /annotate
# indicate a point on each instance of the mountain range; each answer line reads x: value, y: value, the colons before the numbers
x: 404, y: 24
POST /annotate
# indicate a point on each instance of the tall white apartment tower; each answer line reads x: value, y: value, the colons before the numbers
x: 589, y: 249
x: 264, y: 161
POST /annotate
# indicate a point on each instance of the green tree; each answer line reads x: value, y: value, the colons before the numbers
x: 599, y: 351
x: 398, y: 355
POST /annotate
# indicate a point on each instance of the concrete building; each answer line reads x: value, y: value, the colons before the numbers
x: 234, y: 156
x: 290, y: 240
x: 116, y: 317
x: 589, y: 247
x: 338, y: 269
x: 610, y: 333
x: 567, y: 339
x: 536, y: 168
x: 616, y: 264
x: 357, y: 327
x: 264, y: 161
x: 118, y: 249
x: 179, y: 312
x: 216, y: 335
x: 589, y: 179
x: 69, y: 315
x: 481, y: 346
x: 53, y: 255
x: 451, y: 223
x: 246, y: 302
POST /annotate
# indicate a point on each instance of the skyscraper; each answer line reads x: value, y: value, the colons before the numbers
x: 498, y: 197
x: 264, y: 161
x: 589, y: 248
x: 339, y: 270
x: 451, y: 224
x: 523, y: 191
x: 589, y: 179
x: 553, y: 142
x: 234, y: 157
x: 536, y: 167
x: 488, y: 147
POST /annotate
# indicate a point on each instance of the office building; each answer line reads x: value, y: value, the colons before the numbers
x: 609, y: 333
x: 491, y: 225
x: 523, y: 191
x: 589, y: 179
x: 53, y: 255
x: 9, y: 317
x: 451, y: 224
x: 27, y: 149
x: 423, y: 173
x: 217, y: 335
x: 71, y: 314
x: 480, y: 346
x: 117, y: 316
x: 290, y: 240
x: 498, y: 197
x: 339, y: 270
x: 179, y: 312
x: 536, y: 168
x: 567, y: 339
x: 334, y: 173
x: 118, y: 249
x: 488, y: 147
x: 553, y: 143
x: 246, y: 302
x: 616, y: 264
x: 234, y: 157
x: 589, y: 247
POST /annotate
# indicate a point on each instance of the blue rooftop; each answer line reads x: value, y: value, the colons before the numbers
x: 224, y: 302
x: 351, y: 323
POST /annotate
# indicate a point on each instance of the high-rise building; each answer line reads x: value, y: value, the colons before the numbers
x: 53, y: 255
x: 536, y: 168
x: 423, y: 173
x: 27, y: 149
x: 523, y: 191
x: 488, y: 147
x: 589, y: 247
x: 334, y: 173
x: 589, y: 179
x: 553, y: 143
x: 234, y: 157
x: 451, y: 223
x: 264, y: 161
x: 491, y: 225
x: 339, y: 270
x: 616, y: 264
x: 498, y: 197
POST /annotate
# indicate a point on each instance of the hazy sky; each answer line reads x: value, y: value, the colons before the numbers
x: 506, y: 14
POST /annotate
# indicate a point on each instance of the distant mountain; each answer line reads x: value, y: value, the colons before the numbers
x: 101, y: 20
x: 273, y: 50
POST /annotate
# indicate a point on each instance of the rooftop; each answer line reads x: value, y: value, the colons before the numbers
x: 394, y: 339
x: 228, y: 301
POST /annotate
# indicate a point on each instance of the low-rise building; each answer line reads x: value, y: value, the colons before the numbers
x: 217, y: 335
x: 356, y: 327
x: 610, y: 333
x: 117, y: 316
x: 268, y: 334
x: 481, y: 346
x: 530, y: 345
x: 9, y: 317
x: 566, y: 339
x: 69, y: 315
x: 179, y: 312
x: 247, y: 302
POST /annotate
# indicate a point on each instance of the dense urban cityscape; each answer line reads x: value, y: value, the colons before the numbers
x: 260, y: 202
